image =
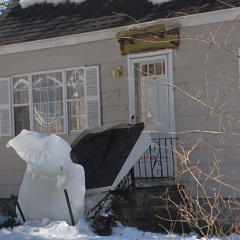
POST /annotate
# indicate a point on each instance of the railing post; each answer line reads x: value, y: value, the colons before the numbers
x: 69, y: 207
x: 132, y: 178
x: 150, y: 155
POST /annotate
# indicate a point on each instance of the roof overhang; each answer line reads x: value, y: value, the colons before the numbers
x: 171, y: 23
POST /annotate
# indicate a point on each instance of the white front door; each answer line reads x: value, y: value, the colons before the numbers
x: 154, y: 97
x: 151, y: 102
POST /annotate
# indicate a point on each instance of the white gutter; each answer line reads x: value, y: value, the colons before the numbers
x: 184, y: 21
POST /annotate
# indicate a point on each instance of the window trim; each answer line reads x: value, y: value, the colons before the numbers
x: 65, y: 100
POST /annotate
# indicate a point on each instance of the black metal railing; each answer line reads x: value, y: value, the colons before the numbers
x: 158, y: 162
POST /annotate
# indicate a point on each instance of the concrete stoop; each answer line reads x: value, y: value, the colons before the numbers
x: 157, y: 209
x: 151, y: 209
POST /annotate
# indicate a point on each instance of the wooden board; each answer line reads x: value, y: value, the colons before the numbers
x: 148, y: 39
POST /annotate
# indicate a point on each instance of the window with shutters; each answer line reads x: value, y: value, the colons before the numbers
x: 55, y: 101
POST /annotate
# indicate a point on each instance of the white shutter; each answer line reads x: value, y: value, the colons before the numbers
x: 93, y: 97
x: 5, y: 111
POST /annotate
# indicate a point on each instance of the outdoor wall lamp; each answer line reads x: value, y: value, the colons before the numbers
x: 117, y: 72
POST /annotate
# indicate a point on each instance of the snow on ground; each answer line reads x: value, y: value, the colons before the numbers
x: 27, y: 3
x: 60, y: 230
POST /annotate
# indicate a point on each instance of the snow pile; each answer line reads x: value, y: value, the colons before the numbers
x: 27, y: 3
x: 39, y: 230
x: 49, y: 171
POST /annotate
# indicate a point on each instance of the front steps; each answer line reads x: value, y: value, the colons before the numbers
x: 151, y: 209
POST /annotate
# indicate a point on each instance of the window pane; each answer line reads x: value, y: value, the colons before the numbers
x: 21, y: 117
x: 70, y: 75
x: 79, y: 76
x: 36, y: 95
x: 48, y: 102
x: 151, y: 69
x: 75, y: 84
x: 36, y: 81
x: 60, y: 125
x: 76, y: 115
x: 43, y: 80
x: 58, y: 78
x: 20, y: 83
x: 76, y: 108
x: 20, y: 90
x: 77, y: 123
x: 75, y: 91
x: 144, y: 70
x: 160, y: 68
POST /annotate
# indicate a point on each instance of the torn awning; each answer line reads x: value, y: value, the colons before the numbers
x: 108, y: 153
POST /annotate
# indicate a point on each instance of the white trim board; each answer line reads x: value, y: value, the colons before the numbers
x: 184, y: 21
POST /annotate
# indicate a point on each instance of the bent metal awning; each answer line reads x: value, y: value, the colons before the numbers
x: 108, y: 153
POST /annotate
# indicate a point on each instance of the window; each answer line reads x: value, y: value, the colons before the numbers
x: 76, y: 99
x: 58, y: 101
x: 47, y: 92
x: 21, y: 103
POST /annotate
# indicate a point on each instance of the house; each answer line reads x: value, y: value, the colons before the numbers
x: 173, y: 66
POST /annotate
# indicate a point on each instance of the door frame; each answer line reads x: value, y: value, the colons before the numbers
x: 151, y: 56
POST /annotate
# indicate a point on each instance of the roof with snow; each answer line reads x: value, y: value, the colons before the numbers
x: 47, y: 20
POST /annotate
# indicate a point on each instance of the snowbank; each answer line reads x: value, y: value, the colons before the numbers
x: 49, y: 171
x: 27, y: 3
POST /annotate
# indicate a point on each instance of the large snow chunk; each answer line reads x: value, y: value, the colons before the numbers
x: 49, y: 171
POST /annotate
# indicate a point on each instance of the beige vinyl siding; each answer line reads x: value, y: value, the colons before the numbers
x: 11, y: 170
x: 211, y: 74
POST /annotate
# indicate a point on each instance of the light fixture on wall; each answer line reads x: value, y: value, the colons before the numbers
x: 117, y: 72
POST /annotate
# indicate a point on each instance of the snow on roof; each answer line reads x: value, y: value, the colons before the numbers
x: 159, y: 1
x: 27, y: 3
